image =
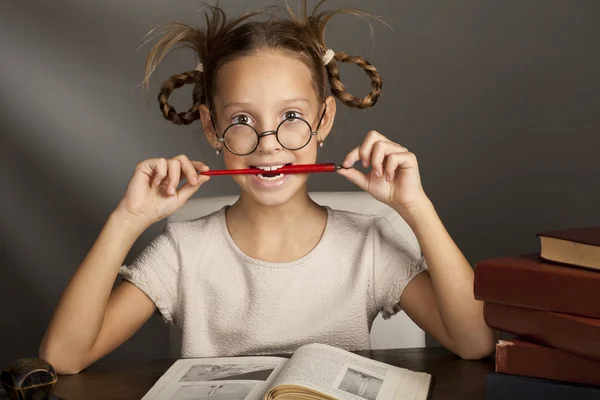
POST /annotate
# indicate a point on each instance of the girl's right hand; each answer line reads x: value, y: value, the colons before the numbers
x: 152, y: 192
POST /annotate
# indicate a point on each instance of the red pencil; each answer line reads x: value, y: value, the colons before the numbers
x: 289, y: 169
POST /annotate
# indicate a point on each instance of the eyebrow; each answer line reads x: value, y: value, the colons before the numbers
x: 287, y: 101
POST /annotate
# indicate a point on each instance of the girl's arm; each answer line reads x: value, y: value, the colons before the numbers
x: 90, y: 320
x: 442, y: 301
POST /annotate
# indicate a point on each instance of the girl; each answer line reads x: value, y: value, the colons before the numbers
x: 274, y: 270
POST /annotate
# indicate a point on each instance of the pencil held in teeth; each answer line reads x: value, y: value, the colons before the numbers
x: 286, y: 169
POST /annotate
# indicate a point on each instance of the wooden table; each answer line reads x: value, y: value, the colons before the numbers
x: 454, y: 378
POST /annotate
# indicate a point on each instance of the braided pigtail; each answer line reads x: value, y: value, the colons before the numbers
x: 177, y: 35
x: 175, y: 82
x: 212, y: 48
x: 316, y: 24
x: 340, y: 91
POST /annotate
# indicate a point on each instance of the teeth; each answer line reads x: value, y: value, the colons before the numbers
x: 270, y: 178
x: 269, y: 167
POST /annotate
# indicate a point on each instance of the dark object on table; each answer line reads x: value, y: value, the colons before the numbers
x: 570, y: 333
x: 526, y: 281
x: 514, y: 387
x: 577, y: 247
x: 520, y: 357
x: 29, y: 379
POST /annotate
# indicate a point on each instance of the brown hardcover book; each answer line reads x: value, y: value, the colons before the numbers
x: 576, y: 335
x: 520, y: 357
x: 527, y: 281
x: 579, y: 246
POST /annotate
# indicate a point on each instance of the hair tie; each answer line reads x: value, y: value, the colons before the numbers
x: 200, y: 67
x: 328, y: 56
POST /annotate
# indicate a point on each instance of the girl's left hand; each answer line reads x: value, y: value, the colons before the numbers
x: 394, y: 178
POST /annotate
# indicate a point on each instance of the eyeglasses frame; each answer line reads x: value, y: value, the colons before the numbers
x: 267, y: 133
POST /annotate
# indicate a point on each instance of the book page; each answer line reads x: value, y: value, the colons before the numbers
x: 224, y: 378
x: 344, y: 375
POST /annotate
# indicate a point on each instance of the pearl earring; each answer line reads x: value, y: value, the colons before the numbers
x: 218, y: 151
x: 321, y: 144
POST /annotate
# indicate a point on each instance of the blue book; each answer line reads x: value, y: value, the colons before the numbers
x: 514, y: 387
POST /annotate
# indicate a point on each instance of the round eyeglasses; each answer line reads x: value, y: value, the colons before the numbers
x: 293, y: 133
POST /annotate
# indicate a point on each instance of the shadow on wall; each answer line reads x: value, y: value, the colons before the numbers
x: 37, y: 264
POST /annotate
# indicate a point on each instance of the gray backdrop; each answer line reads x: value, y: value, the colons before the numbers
x: 499, y: 100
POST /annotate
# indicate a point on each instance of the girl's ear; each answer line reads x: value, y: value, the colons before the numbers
x: 208, y: 125
x: 328, y: 118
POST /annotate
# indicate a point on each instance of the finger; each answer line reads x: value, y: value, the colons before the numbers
x: 398, y: 160
x: 381, y: 149
x: 200, y: 166
x: 360, y: 152
x: 159, y: 167
x: 173, y: 173
x: 188, y: 189
x: 351, y: 158
x: 366, y: 149
x: 355, y: 176
x: 188, y: 169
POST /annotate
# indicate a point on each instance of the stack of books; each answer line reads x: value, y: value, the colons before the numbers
x: 550, y: 302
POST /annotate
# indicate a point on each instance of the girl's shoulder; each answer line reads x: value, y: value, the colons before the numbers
x: 385, y: 226
x: 206, y: 225
x: 354, y: 221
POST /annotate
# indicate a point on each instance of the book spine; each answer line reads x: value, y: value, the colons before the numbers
x: 512, y: 387
x: 526, y: 282
x: 517, y: 357
x: 555, y: 330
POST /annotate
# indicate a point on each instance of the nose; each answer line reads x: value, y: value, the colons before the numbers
x: 268, y: 143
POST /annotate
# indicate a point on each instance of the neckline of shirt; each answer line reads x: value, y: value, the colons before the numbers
x: 254, y: 261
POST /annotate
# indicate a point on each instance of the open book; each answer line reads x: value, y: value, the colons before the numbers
x: 314, y: 372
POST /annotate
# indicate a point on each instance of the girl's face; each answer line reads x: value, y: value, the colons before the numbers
x: 263, y: 90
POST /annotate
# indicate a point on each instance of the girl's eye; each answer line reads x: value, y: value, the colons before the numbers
x: 241, y: 119
x: 291, y: 114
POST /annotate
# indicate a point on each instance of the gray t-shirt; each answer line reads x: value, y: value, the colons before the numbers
x: 228, y: 303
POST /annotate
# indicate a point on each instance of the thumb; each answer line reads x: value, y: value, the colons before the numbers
x: 356, y: 177
x: 187, y: 190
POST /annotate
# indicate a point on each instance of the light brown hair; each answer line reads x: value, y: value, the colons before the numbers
x: 221, y: 41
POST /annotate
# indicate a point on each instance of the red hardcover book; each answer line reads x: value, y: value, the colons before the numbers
x: 527, y: 281
x: 578, y: 247
x: 570, y: 333
x: 520, y: 357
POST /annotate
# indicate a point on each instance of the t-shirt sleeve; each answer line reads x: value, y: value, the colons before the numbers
x: 155, y: 271
x: 396, y: 263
